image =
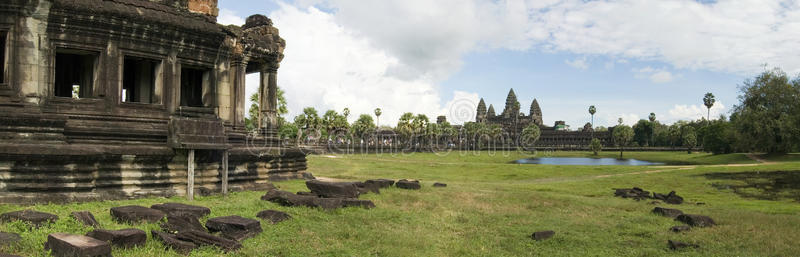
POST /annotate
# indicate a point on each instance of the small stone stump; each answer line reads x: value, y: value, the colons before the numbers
x: 542, y: 235
x: 69, y: 245
x: 37, y: 219
x: 666, y: 212
x: 234, y: 227
x: 182, y: 222
x: 676, y: 245
x: 696, y: 220
x: 408, y: 184
x: 382, y: 183
x: 677, y: 229
x: 179, y: 209
x: 333, y: 189
x: 670, y: 198
x: 86, y: 218
x: 204, y: 238
x: 171, y: 241
x: 437, y: 184
x: 9, y: 238
x: 273, y: 216
x: 125, y: 238
x: 136, y: 214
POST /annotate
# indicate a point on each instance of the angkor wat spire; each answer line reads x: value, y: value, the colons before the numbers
x: 491, y: 113
x: 481, y: 115
x: 511, y: 100
x: 536, y: 112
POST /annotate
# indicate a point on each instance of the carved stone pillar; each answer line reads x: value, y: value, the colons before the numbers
x: 268, y: 98
x: 239, y: 96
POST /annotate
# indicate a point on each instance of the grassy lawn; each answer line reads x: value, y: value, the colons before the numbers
x: 491, y: 207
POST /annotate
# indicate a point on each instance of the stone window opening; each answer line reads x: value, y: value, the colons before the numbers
x: 74, y: 73
x: 140, y: 80
x: 3, y: 46
x: 195, y: 83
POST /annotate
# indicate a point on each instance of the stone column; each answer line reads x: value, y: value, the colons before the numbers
x: 268, y: 97
x: 239, y: 94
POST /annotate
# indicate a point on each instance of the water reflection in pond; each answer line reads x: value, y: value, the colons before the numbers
x: 585, y: 161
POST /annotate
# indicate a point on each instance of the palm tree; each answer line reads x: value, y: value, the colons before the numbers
x: 592, y: 111
x: 346, y: 113
x: 378, y: 116
x: 652, y: 118
x: 709, y: 100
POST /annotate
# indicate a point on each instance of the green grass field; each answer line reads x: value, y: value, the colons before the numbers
x: 491, y: 207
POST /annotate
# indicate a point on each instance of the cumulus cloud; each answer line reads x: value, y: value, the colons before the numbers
x: 654, y: 75
x: 694, y: 112
x: 429, y: 37
x: 228, y: 17
x: 392, y: 53
x: 580, y: 63
x: 328, y: 66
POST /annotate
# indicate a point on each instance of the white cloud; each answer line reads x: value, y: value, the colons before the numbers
x: 228, y: 17
x: 579, y: 63
x: 462, y: 108
x: 328, y: 66
x: 694, y: 112
x: 392, y: 53
x: 430, y: 37
x: 654, y: 75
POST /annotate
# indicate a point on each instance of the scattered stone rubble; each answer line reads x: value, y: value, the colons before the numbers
x: 86, y: 218
x: 640, y: 194
x: 181, y: 229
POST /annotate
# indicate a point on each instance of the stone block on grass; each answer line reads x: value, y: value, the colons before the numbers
x: 136, y: 214
x: 69, y: 245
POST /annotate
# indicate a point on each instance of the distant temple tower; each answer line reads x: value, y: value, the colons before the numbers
x: 511, y: 110
x: 536, y: 113
x: 481, y: 115
x: 491, y: 113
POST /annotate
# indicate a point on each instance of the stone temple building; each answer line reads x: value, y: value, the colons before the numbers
x: 110, y: 99
x: 513, y: 122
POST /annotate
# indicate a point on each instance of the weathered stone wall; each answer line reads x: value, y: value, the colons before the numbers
x: 99, y: 146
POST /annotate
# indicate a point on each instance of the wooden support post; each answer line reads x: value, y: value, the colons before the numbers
x: 225, y: 173
x: 190, y: 179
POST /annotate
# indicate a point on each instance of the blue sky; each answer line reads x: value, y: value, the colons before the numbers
x: 629, y: 58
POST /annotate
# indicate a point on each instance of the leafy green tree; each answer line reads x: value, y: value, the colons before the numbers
x: 283, y: 106
x: 690, y: 140
x: 288, y: 131
x: 623, y: 134
x: 767, y: 119
x: 404, y: 127
x: 530, y: 135
x: 596, y: 146
x: 708, y: 101
x: 643, y: 132
x: 309, y: 122
x: 363, y: 125
x: 718, y: 137
x: 419, y: 123
x: 251, y: 121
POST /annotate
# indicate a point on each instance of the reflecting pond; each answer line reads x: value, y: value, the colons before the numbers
x: 585, y: 161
